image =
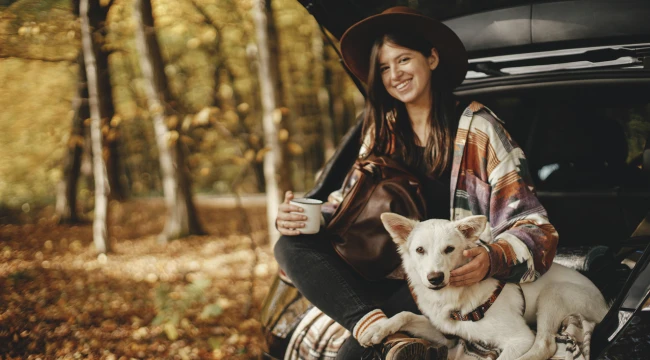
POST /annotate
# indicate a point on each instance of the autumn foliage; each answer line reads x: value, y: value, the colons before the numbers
x: 189, y: 299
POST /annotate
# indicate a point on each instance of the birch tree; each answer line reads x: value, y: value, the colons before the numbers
x: 271, y: 116
x: 67, y: 188
x: 181, y: 213
x: 102, y: 190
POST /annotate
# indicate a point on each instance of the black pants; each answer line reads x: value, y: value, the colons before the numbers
x: 335, y: 288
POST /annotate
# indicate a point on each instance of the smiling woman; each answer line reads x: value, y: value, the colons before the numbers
x: 411, y: 63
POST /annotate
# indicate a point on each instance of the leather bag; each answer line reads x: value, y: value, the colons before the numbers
x: 382, y: 185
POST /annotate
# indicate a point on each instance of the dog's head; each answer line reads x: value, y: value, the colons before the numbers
x: 431, y: 249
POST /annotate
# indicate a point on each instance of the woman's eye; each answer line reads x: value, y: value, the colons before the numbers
x: 404, y: 59
x: 449, y: 249
x: 383, y: 69
x: 420, y: 250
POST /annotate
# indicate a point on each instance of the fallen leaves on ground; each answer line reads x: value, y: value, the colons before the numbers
x: 187, y: 299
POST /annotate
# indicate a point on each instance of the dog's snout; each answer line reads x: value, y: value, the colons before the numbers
x: 436, y: 278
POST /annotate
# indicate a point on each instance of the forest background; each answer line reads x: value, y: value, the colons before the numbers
x: 152, y: 291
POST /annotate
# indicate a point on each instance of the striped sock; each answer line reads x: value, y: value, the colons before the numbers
x: 367, y: 320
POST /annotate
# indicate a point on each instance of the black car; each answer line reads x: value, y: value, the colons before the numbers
x: 571, y: 80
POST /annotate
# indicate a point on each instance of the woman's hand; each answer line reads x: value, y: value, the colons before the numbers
x: 286, y: 222
x: 474, y: 271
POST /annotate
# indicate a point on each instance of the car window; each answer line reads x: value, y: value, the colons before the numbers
x: 579, y: 143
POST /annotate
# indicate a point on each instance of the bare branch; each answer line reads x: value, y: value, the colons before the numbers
x: 207, y: 16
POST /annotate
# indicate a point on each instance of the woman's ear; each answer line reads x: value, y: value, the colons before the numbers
x: 433, y: 59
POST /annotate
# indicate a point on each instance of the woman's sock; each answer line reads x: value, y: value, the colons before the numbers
x: 367, y: 320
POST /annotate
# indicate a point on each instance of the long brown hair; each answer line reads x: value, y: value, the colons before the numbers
x: 381, y: 109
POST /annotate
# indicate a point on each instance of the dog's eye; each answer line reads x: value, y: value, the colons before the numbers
x: 420, y: 250
x: 449, y: 249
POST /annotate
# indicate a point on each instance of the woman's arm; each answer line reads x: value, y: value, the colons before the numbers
x: 494, y: 181
x: 524, y: 242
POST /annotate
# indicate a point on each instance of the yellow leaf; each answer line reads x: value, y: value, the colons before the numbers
x: 170, y: 331
x: 156, y: 109
x: 254, y: 139
x: 261, y: 153
x: 116, y: 120
x: 209, y: 36
x: 76, y: 140
x: 243, y: 108
x: 172, y: 122
x: 283, y: 135
x: 294, y: 148
x: 193, y: 43
x: 277, y: 116
x: 239, y: 160
x: 172, y: 137
x: 112, y: 135
x: 249, y: 155
x: 202, y: 117
x: 231, y: 118
x: 225, y: 91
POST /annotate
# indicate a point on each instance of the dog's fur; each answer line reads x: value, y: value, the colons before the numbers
x: 560, y: 292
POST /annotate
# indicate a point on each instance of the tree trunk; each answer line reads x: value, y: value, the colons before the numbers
x: 322, y: 76
x: 115, y: 167
x: 275, y: 169
x: 66, y: 196
x: 100, y: 229
x: 97, y: 15
x: 181, y: 213
x: 282, y: 100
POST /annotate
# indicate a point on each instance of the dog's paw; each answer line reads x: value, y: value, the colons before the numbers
x: 377, y: 332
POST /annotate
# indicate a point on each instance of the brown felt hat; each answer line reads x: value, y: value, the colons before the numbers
x: 356, y: 43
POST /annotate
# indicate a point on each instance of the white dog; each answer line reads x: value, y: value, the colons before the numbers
x: 431, y: 249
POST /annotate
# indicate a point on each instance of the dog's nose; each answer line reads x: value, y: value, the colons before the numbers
x: 436, y: 278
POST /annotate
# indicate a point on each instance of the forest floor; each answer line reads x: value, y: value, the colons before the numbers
x: 195, y: 298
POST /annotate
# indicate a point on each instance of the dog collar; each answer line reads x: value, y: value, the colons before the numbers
x: 478, y: 313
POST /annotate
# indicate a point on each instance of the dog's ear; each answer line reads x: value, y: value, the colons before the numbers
x: 398, y: 226
x: 472, y: 226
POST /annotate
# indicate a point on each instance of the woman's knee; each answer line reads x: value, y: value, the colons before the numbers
x: 282, y: 246
x: 288, y: 250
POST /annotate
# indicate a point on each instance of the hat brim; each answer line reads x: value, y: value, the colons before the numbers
x: 356, y: 44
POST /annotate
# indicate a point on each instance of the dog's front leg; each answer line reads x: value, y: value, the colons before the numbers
x: 384, y: 327
x: 518, y: 342
x: 420, y: 326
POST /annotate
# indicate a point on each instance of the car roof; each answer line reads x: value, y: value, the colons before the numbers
x: 500, y: 27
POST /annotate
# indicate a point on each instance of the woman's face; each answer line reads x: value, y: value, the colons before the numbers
x: 406, y: 73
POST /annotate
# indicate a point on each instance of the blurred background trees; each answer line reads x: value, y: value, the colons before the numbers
x: 213, y: 111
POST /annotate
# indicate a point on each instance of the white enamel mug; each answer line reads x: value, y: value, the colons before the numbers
x: 311, y: 209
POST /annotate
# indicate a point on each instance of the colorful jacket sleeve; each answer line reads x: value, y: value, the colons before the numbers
x: 494, y: 181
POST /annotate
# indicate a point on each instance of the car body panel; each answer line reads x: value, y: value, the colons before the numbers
x: 489, y: 28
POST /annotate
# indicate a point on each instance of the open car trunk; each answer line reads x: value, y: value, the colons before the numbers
x: 571, y: 80
x: 585, y: 148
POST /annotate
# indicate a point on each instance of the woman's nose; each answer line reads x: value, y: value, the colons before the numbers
x: 395, y: 73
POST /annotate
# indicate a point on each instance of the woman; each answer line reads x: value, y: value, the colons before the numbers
x: 411, y: 63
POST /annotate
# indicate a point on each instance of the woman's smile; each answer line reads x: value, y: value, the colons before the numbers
x: 403, y: 85
x: 406, y: 74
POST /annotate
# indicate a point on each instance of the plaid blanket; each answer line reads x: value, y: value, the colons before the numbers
x: 318, y: 337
